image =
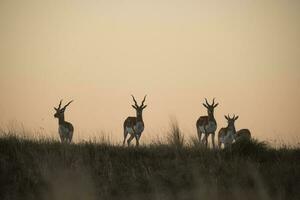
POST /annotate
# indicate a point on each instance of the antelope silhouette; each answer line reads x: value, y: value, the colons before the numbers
x: 207, y: 124
x: 65, y: 129
x: 134, y: 125
x: 227, y: 135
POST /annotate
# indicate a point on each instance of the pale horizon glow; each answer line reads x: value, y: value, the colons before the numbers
x: 244, y: 53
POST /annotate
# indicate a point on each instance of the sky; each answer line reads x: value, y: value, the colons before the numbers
x: 246, y: 54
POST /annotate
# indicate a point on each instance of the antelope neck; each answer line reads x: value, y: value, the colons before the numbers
x: 232, y: 127
x: 61, y: 120
x: 211, y: 117
x: 139, y: 118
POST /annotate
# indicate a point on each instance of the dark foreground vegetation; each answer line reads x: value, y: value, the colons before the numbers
x: 49, y: 170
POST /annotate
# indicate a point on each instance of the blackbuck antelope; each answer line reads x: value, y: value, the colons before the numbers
x: 134, y: 125
x: 207, y: 124
x: 243, y: 134
x: 226, y: 135
x: 65, y: 129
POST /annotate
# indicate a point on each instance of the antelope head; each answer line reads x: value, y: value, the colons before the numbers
x: 230, y: 120
x: 61, y: 111
x: 210, y: 107
x: 139, y: 109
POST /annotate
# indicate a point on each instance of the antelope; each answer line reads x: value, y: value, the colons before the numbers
x: 243, y: 134
x: 207, y: 124
x: 65, y: 129
x: 227, y: 135
x: 134, y: 125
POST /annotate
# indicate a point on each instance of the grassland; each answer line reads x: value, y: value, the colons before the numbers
x: 48, y: 170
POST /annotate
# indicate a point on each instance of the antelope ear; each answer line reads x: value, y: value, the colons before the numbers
x: 55, y: 109
x: 144, y: 106
x: 226, y: 117
x: 216, y: 105
x: 236, y: 117
x: 205, y: 105
x: 134, y: 106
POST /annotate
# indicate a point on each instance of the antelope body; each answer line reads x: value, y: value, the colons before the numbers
x: 65, y: 129
x: 227, y: 135
x: 243, y: 134
x: 207, y: 124
x: 134, y: 126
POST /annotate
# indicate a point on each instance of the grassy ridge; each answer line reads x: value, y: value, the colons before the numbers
x: 45, y: 169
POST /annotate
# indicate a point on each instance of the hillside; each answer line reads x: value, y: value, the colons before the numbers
x: 45, y: 169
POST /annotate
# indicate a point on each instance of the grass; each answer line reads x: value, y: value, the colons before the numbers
x: 46, y: 169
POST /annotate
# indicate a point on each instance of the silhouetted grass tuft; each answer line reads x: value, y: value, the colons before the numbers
x: 175, y: 137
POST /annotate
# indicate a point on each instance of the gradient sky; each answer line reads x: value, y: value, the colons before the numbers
x: 244, y: 53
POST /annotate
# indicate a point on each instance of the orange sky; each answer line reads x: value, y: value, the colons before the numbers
x: 244, y: 53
